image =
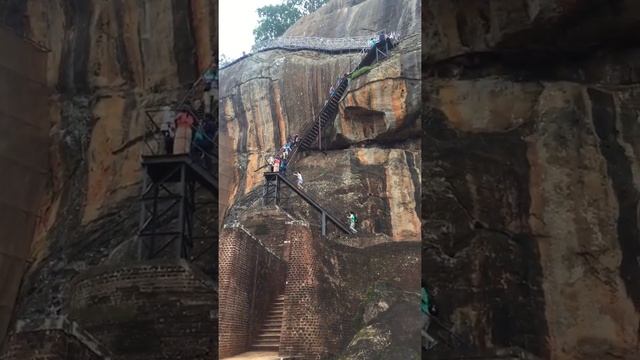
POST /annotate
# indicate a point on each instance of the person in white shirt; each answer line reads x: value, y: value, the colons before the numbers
x: 168, y: 128
x: 299, y: 180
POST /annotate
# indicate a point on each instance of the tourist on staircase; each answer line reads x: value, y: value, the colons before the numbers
x: 283, y: 166
x: 210, y: 133
x: 210, y: 78
x: 168, y: 128
x: 270, y: 161
x: 299, y: 180
x: 198, y: 110
x: 199, y: 142
x: 352, y: 219
x: 184, y: 122
x: 428, y: 310
x: 276, y: 164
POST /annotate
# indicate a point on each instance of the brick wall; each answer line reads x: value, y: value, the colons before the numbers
x: 151, y: 310
x: 267, y: 225
x: 304, y: 333
x: 250, y: 278
x: 327, y: 283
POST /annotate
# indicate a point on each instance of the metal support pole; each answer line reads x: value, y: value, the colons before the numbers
x: 277, y: 190
x: 142, y: 216
x: 320, y: 133
x: 156, y: 194
x: 181, y: 216
x: 324, y: 223
x: 265, y: 193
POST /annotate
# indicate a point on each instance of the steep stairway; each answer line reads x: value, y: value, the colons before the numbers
x: 269, y: 337
x: 329, y: 111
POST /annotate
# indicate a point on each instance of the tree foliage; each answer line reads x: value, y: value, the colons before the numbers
x: 223, y: 60
x: 274, y: 20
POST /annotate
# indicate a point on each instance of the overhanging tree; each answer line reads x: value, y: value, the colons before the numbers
x: 274, y: 20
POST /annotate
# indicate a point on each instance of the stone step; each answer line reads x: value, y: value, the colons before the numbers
x: 263, y: 347
x: 269, y: 337
x: 272, y: 326
x: 270, y: 332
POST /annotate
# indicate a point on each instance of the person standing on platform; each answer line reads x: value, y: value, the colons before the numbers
x: 168, y: 129
x: 270, y: 161
x: 276, y: 164
x: 184, y: 123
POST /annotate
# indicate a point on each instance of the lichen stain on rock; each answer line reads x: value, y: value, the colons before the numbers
x: 503, y: 107
x: 104, y: 137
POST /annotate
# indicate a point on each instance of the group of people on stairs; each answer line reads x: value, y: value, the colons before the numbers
x: 192, y: 129
x: 382, y: 37
x: 278, y: 162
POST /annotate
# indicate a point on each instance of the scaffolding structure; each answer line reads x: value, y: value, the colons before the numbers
x: 179, y: 200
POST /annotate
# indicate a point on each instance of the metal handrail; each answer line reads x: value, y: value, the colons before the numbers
x: 313, y: 202
x: 155, y: 131
x: 353, y: 43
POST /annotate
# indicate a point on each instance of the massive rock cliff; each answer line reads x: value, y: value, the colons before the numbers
x: 108, y: 61
x: 351, y: 297
x: 371, y: 158
x: 531, y: 180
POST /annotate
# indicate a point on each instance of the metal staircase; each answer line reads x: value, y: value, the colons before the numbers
x: 310, y: 133
x: 329, y: 111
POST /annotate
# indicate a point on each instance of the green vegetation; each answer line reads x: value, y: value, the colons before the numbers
x: 363, y: 70
x: 274, y: 20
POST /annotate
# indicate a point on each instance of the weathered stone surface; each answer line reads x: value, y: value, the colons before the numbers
x: 108, y: 62
x: 371, y: 300
x: 463, y: 27
x: 344, y: 18
x: 530, y: 181
x: 273, y: 95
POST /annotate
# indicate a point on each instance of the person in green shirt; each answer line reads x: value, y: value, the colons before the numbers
x: 424, y: 306
x: 427, y: 311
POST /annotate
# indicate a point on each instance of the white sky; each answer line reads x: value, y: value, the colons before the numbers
x: 236, y: 21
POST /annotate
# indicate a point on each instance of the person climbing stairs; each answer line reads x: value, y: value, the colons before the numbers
x: 269, y: 337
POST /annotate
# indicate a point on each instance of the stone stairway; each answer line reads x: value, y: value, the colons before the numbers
x: 269, y: 337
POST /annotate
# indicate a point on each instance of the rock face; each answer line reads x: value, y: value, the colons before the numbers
x: 372, y: 150
x: 108, y: 62
x: 531, y: 182
x: 340, y: 18
x: 351, y: 297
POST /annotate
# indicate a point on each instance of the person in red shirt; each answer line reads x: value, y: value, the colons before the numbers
x: 184, y: 123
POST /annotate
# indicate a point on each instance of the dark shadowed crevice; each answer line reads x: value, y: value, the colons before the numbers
x: 274, y: 116
x: 370, y: 120
x: 13, y: 14
x: 74, y: 63
x: 122, y: 57
x: 467, y: 179
x: 621, y: 175
x: 415, y: 179
x: 183, y: 43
